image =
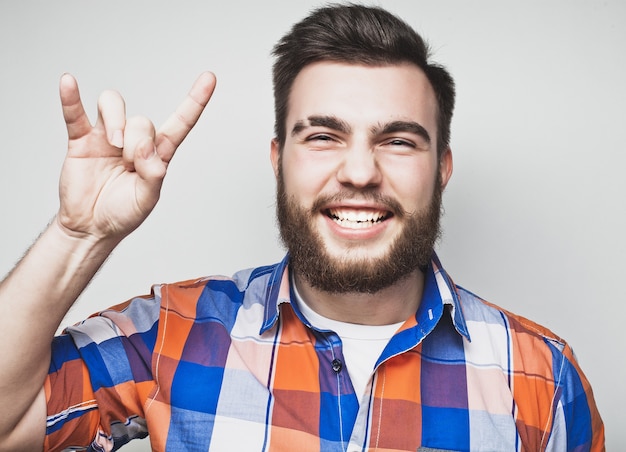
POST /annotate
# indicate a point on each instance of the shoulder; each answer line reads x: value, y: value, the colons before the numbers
x: 247, y: 284
x: 477, y: 310
x: 216, y: 300
x: 549, y: 389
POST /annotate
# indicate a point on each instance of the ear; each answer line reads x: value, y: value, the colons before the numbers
x: 275, y: 155
x: 445, y: 167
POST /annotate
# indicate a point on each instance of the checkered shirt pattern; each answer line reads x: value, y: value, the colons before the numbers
x: 230, y: 364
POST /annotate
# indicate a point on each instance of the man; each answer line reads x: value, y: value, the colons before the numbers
x: 357, y: 340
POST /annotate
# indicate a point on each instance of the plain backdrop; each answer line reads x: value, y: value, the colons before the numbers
x: 534, y: 214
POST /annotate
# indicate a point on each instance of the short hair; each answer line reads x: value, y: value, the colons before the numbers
x: 356, y: 34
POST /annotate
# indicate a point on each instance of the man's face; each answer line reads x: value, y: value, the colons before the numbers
x: 359, y: 181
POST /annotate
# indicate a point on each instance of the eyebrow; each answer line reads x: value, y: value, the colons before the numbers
x: 334, y: 123
x: 330, y: 122
x: 402, y: 126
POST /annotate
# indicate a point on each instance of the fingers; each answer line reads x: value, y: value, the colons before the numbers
x: 111, y: 112
x: 112, y: 119
x: 112, y: 115
x: 178, y: 125
x: 74, y: 115
x: 138, y: 130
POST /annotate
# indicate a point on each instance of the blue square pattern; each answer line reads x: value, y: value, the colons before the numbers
x: 196, y: 387
x: 329, y: 413
x: 189, y: 430
x: 220, y: 301
x: 445, y: 428
x: 63, y: 350
x: 107, y: 363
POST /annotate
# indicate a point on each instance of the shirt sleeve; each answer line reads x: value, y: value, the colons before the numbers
x: 577, y: 424
x: 100, y: 377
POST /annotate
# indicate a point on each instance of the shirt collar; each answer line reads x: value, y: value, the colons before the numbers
x: 276, y: 293
x: 440, y: 295
x: 439, y: 292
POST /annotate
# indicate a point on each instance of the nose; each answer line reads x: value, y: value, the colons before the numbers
x: 359, y: 168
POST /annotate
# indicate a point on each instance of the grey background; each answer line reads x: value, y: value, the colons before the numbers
x: 535, y: 216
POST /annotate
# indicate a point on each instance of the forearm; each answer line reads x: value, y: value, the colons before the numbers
x: 34, y: 298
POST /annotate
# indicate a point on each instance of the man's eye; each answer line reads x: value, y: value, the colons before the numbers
x: 319, y: 137
x: 398, y: 142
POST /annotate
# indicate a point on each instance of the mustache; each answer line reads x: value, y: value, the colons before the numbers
x: 368, y: 194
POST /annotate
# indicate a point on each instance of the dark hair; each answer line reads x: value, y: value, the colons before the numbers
x: 361, y: 35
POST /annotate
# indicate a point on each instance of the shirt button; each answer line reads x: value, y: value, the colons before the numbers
x: 337, y: 365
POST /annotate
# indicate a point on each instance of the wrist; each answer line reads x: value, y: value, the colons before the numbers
x: 79, y: 252
x: 75, y: 238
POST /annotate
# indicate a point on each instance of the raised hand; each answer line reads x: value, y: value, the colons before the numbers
x: 113, y: 172
x: 110, y: 182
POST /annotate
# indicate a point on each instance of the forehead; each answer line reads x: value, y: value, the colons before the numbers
x: 363, y: 94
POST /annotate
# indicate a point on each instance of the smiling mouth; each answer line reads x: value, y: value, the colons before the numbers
x: 357, y: 219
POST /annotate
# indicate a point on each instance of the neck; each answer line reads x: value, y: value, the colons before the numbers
x: 393, y: 304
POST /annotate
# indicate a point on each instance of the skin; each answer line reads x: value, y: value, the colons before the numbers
x: 110, y: 181
x: 352, y: 129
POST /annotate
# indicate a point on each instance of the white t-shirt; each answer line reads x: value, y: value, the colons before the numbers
x: 362, y: 344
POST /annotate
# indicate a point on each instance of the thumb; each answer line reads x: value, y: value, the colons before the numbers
x: 151, y: 171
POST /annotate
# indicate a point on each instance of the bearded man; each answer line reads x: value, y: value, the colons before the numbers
x: 357, y: 340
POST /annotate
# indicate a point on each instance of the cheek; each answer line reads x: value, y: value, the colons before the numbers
x: 306, y: 175
x: 412, y: 182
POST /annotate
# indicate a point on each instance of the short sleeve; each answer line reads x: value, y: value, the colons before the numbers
x: 100, y: 377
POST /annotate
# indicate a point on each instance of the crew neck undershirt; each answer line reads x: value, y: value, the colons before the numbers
x: 362, y: 344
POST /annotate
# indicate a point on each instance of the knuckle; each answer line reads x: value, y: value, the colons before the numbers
x: 140, y: 123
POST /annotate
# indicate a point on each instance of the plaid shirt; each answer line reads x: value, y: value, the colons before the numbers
x: 229, y: 364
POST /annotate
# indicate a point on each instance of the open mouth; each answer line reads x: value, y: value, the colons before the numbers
x: 357, y: 219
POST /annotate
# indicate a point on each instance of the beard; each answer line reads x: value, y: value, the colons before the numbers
x: 409, y: 251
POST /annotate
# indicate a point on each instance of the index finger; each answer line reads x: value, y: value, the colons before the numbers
x: 178, y: 125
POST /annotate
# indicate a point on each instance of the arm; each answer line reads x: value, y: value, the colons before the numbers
x: 110, y: 182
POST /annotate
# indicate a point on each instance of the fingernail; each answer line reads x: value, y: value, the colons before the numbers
x: 117, y: 139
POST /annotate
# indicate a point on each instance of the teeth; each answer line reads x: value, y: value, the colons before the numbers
x: 356, y: 218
